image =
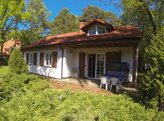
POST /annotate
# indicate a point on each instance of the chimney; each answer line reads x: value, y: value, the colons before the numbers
x: 81, y: 24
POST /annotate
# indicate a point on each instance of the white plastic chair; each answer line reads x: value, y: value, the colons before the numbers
x: 115, y: 82
x: 75, y: 73
x: 104, y: 81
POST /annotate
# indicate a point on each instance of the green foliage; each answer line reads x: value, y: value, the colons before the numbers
x: 3, y: 70
x: 15, y: 83
x: 11, y: 14
x: 16, y: 63
x: 92, y: 12
x: 56, y: 105
x: 28, y: 97
x: 37, y: 26
x: 65, y: 22
x: 152, y: 88
x: 147, y: 15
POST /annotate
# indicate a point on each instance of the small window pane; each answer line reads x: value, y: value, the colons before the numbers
x: 92, y: 31
x: 31, y: 59
x: 48, y: 59
x: 101, y: 30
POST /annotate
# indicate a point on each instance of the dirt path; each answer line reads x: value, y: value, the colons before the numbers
x: 79, y: 85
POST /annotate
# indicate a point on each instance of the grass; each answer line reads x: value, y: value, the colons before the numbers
x: 3, y: 70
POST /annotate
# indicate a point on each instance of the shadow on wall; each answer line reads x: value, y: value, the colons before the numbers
x: 45, y: 71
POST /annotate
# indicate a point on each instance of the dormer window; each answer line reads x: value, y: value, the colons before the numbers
x: 92, y: 31
x: 96, y: 30
x: 101, y: 30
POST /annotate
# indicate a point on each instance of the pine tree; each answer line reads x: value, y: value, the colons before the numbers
x: 65, y: 22
x: 37, y: 26
x: 17, y: 65
x: 92, y: 12
x: 152, y: 86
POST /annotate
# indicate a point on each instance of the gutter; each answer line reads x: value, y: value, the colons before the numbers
x: 62, y: 60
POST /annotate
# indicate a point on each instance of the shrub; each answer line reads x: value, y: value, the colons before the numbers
x: 16, y: 63
x: 48, y: 105
x: 17, y: 83
x: 152, y: 87
x: 3, y: 70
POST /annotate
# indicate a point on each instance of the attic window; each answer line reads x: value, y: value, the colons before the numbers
x: 96, y: 30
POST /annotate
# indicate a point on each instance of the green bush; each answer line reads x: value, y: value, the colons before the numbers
x: 28, y: 97
x: 16, y: 63
x: 3, y: 70
x: 151, y: 89
x: 53, y: 105
x: 15, y: 83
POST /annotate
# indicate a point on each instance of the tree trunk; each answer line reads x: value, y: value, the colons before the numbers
x: 150, y: 17
x: 1, y: 53
x: 160, y: 104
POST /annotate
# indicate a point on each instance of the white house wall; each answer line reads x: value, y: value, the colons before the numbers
x: 45, y: 70
x: 127, y: 56
x: 68, y: 62
x: 71, y: 60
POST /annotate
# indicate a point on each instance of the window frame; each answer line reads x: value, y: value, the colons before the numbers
x: 90, y: 31
x: 31, y: 59
x: 48, y: 59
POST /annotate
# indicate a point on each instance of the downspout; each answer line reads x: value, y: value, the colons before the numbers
x: 62, y: 60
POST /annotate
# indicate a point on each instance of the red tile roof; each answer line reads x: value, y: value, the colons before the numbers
x: 119, y: 33
x: 97, y: 21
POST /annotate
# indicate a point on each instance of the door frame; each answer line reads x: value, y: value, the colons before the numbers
x: 87, y: 57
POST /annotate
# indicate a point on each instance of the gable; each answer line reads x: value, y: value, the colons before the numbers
x: 97, y: 22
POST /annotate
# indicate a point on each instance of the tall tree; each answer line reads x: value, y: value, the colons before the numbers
x: 92, y: 12
x: 148, y: 15
x: 11, y: 14
x: 145, y: 13
x: 152, y: 86
x: 65, y: 22
x: 37, y: 26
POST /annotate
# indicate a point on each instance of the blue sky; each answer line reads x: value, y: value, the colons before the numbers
x: 76, y: 6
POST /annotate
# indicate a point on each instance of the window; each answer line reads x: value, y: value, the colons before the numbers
x: 31, y: 58
x: 97, y: 30
x: 27, y: 58
x: 35, y: 59
x: 101, y: 30
x: 92, y: 31
x: 48, y: 59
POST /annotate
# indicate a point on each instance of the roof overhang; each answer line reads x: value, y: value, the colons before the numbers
x: 93, y: 44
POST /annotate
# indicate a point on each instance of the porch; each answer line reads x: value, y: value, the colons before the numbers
x: 87, y: 85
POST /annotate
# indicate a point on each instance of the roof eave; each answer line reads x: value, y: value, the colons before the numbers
x: 136, y: 39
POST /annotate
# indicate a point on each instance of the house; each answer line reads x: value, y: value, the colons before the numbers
x: 88, y: 52
x: 9, y: 45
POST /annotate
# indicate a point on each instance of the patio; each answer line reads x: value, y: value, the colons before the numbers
x: 87, y: 85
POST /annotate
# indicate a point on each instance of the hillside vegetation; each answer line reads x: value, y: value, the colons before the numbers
x: 28, y: 97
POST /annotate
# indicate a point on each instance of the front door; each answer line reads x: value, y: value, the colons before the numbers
x: 96, y: 65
